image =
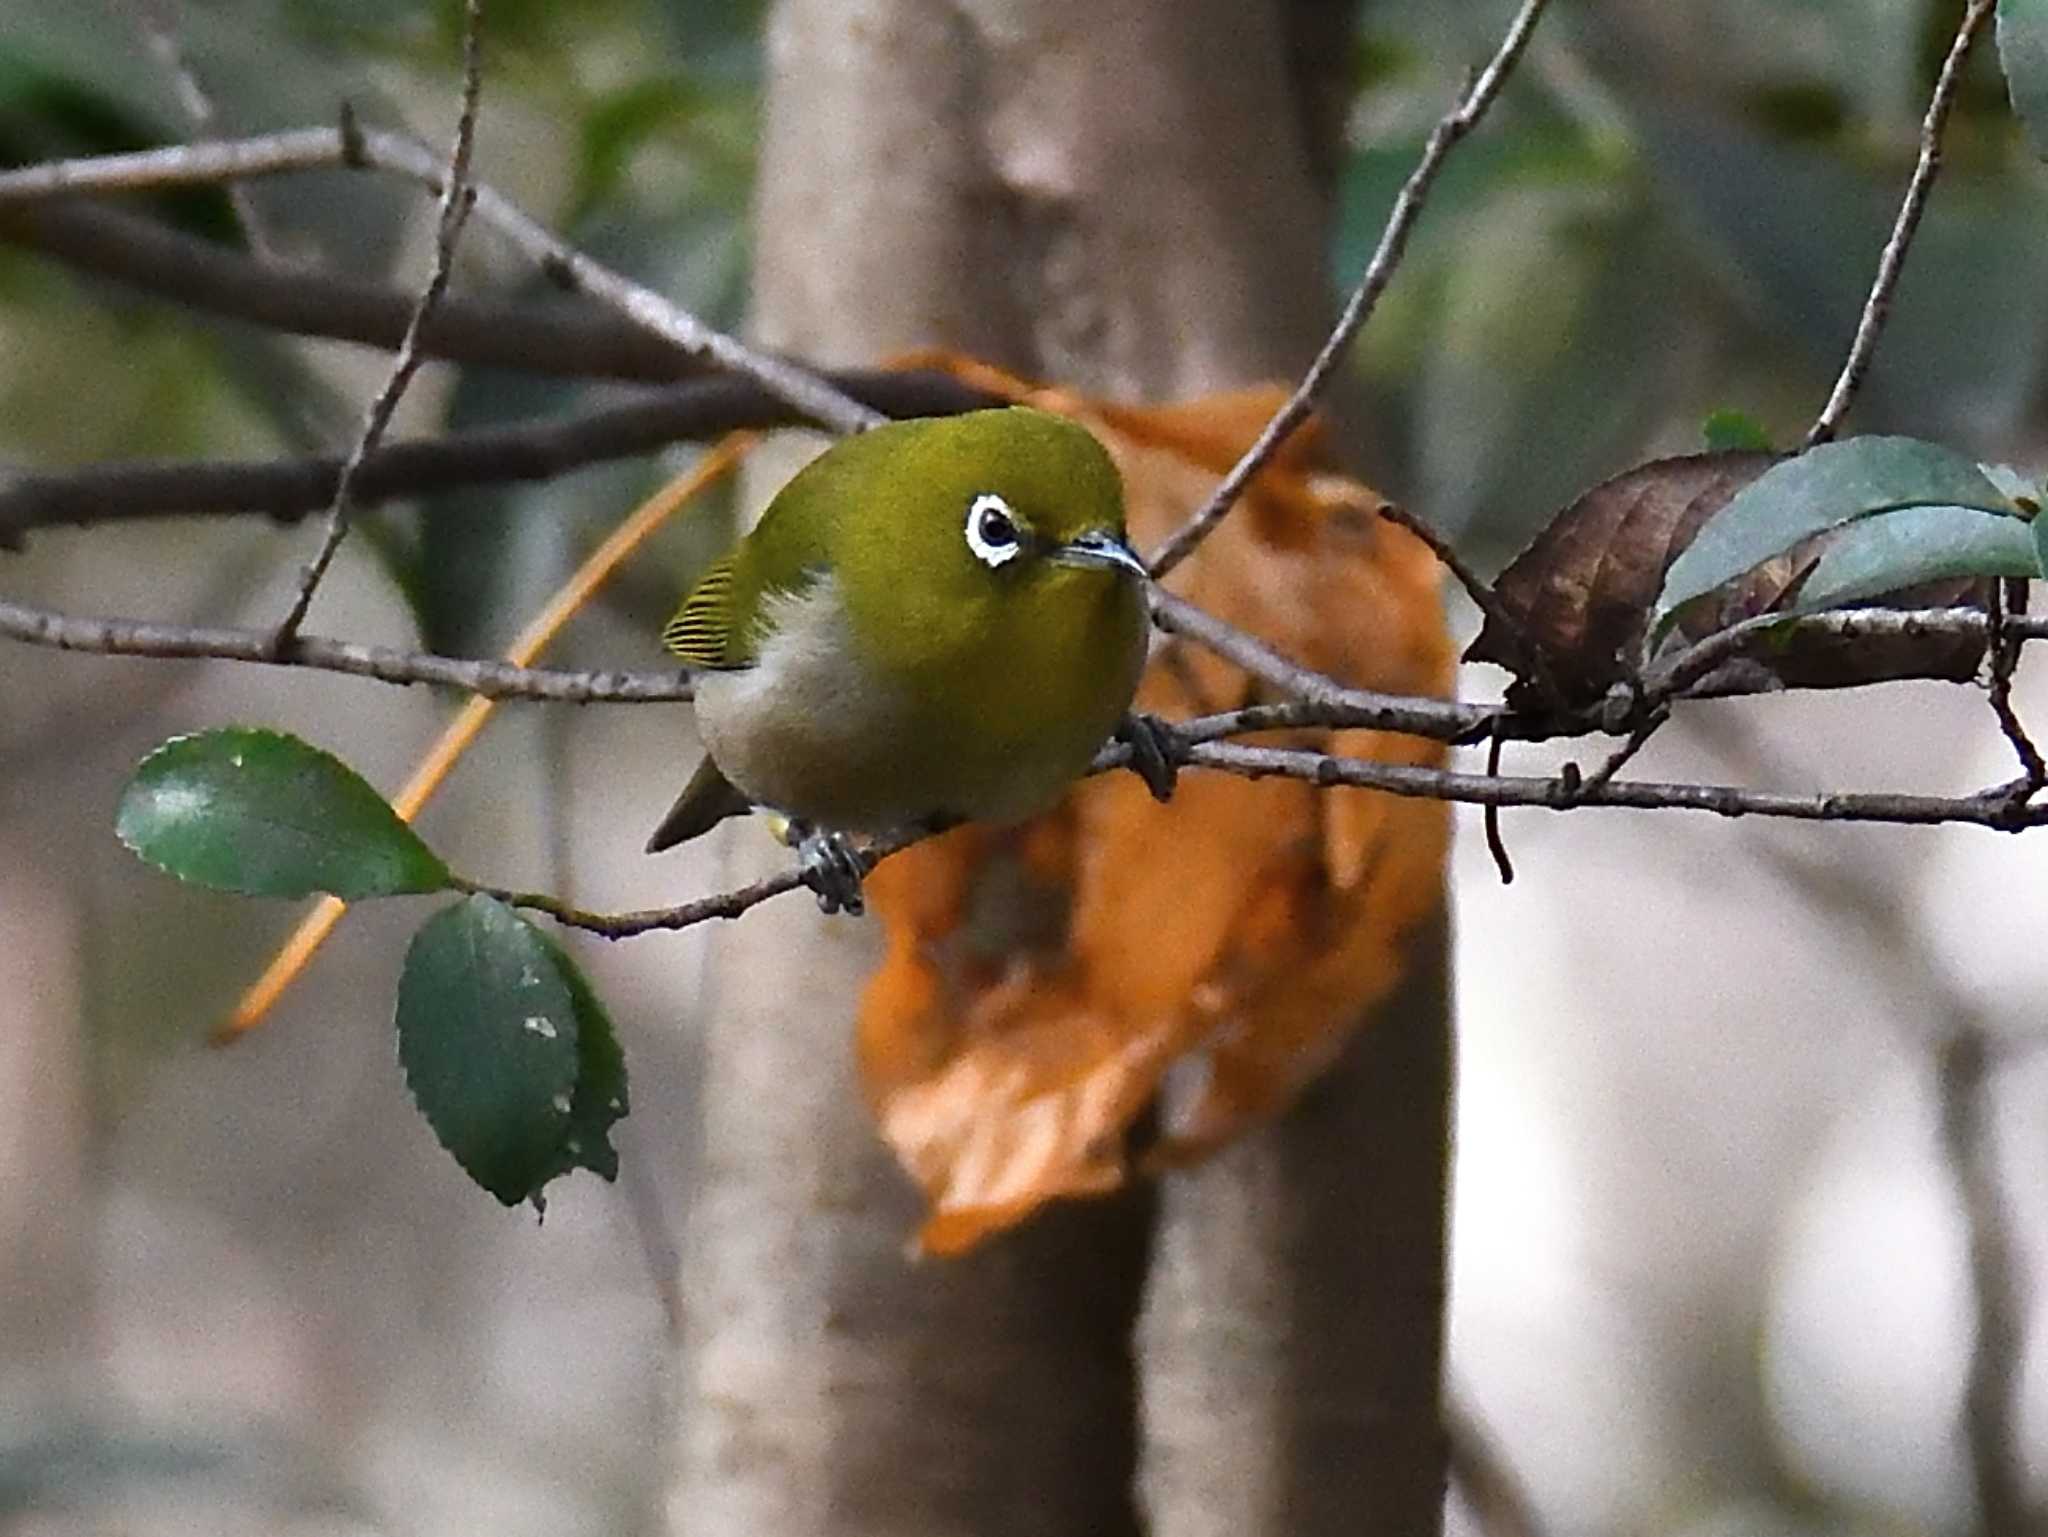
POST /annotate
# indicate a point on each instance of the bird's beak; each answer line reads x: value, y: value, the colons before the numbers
x: 1099, y: 549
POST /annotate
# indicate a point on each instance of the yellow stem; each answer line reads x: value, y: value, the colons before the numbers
x: 455, y: 740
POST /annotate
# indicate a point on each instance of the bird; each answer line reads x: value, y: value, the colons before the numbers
x: 937, y: 620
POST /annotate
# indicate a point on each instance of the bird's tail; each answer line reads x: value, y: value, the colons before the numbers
x: 707, y: 800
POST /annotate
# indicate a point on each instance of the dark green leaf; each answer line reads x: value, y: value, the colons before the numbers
x: 2023, y: 51
x: 1729, y: 432
x: 618, y: 125
x: 1775, y: 224
x: 1819, y: 490
x: 1894, y: 550
x: 599, y: 1098
x: 267, y: 815
x: 487, y: 1035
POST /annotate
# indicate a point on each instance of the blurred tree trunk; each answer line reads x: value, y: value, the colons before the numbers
x: 47, y: 1203
x: 1122, y: 198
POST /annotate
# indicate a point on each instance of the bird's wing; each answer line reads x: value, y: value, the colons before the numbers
x: 702, y: 632
x: 718, y: 624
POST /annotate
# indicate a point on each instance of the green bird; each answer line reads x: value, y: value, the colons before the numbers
x: 934, y: 621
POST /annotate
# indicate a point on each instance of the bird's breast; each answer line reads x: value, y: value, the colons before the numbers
x: 824, y: 727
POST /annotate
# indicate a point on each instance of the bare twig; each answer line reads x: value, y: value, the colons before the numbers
x: 455, y: 204
x: 1679, y: 675
x: 1623, y: 755
x: 2009, y: 597
x: 652, y: 920
x: 1317, y: 699
x: 1990, y: 809
x: 157, y: 21
x: 1496, y: 840
x: 310, y: 149
x: 1433, y: 719
x: 1877, y: 308
x: 1180, y: 617
x: 1997, y: 1462
x: 493, y: 680
x: 1454, y: 126
x: 288, y: 488
x: 562, y: 337
x: 1194, y: 744
x: 1505, y: 625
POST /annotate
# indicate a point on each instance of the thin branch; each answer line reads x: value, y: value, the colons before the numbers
x: 651, y: 920
x: 1386, y: 257
x: 1877, y: 308
x: 493, y: 680
x: 286, y: 489
x: 1431, y: 718
x: 1623, y: 755
x: 1997, y: 1461
x: 1505, y: 624
x: 2009, y: 597
x: 1316, y: 700
x: 454, y: 213
x: 559, y: 337
x: 310, y: 149
x: 1496, y: 840
x: 1191, y: 744
x: 157, y: 21
x: 1681, y: 674
x: 206, y: 161
x: 1990, y: 808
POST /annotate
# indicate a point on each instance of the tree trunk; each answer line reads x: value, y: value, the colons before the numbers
x: 1119, y: 198
x: 1294, y: 1334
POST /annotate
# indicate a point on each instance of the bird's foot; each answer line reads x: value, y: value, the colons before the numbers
x: 831, y: 866
x: 1152, y: 760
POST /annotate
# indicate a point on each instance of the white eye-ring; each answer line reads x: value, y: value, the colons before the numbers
x: 992, y: 531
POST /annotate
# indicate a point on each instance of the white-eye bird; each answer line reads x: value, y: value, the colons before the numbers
x: 936, y: 620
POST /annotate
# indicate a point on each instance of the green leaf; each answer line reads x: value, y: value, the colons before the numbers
x: 2023, y: 51
x: 1728, y: 431
x: 487, y: 1035
x: 1893, y: 550
x: 599, y: 1099
x: 268, y: 815
x: 2024, y: 494
x: 1819, y: 490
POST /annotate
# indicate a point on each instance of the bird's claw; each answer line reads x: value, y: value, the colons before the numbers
x: 1151, y: 742
x: 832, y: 867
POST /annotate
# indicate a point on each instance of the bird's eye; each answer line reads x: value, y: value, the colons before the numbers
x: 992, y: 531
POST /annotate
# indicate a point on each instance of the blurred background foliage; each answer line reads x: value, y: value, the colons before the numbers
x: 1674, y: 209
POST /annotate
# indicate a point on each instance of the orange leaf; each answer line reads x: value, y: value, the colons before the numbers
x: 1040, y: 981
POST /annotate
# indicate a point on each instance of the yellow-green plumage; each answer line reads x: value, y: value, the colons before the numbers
x: 867, y: 664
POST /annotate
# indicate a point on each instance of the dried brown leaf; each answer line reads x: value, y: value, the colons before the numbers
x: 1583, y: 591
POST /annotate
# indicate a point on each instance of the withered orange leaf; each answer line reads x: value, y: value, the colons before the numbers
x: 1039, y: 981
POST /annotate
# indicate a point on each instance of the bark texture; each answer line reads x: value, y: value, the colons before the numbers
x: 1294, y: 1332
x: 1120, y: 198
